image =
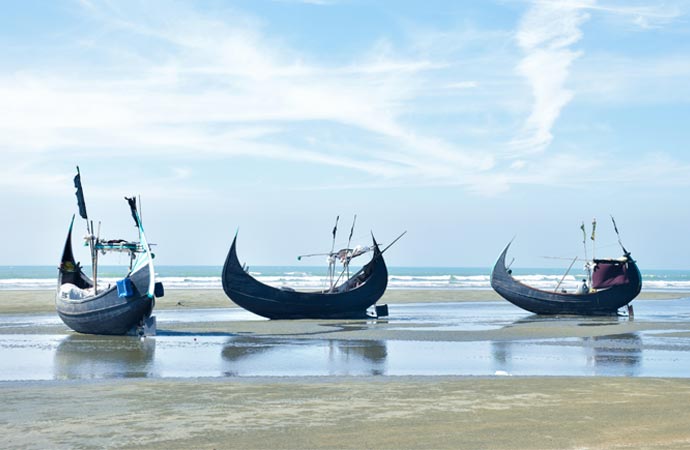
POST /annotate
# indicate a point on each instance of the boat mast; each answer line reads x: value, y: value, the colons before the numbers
x: 593, y: 238
x: 379, y: 255
x: 95, y: 256
x: 331, y: 257
x: 587, y: 265
x: 619, y: 236
x: 394, y: 241
x: 89, y: 229
x: 348, y: 255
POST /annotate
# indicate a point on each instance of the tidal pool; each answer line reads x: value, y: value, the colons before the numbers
x: 450, y: 339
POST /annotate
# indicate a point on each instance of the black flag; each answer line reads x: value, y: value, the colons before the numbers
x: 614, y: 224
x: 335, y: 228
x: 352, y: 230
x: 133, y: 206
x: 80, y: 195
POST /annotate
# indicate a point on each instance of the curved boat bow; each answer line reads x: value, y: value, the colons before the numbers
x: 348, y: 301
x: 616, y: 282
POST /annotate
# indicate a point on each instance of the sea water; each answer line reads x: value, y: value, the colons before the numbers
x: 456, y: 339
x: 314, y: 277
x: 416, y: 339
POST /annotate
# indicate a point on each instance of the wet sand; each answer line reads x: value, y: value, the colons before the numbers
x: 28, y: 302
x: 499, y: 412
x: 350, y: 412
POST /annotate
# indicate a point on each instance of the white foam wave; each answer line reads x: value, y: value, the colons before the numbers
x: 667, y: 285
x: 303, y: 281
x: 27, y: 284
x: 428, y: 277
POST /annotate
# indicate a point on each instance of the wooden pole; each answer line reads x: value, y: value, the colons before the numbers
x: 565, y: 274
x: 331, y: 261
x: 94, y: 259
x: 347, y: 248
x: 584, y: 243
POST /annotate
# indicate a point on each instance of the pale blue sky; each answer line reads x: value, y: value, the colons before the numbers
x: 465, y: 123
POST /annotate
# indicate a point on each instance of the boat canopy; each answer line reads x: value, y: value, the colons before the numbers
x: 609, y: 273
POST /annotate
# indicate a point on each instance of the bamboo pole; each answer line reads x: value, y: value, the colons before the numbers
x: 565, y: 274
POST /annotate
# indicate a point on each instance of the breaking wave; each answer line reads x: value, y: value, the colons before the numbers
x: 208, y: 277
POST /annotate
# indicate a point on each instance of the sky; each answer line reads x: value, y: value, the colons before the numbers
x: 464, y: 123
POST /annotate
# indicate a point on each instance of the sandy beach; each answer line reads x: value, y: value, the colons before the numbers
x: 335, y: 411
x: 311, y: 157
x: 499, y: 413
x: 28, y: 302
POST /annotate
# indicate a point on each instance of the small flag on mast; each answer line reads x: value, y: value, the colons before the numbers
x: 133, y: 207
x: 335, y: 228
x: 80, y: 195
x: 352, y: 230
x: 584, y: 233
x: 594, y: 228
x: 614, y: 225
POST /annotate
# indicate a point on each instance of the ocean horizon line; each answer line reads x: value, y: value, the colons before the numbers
x: 44, y: 277
x: 311, y: 267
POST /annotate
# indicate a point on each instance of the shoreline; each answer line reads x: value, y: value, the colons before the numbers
x: 42, y: 301
x: 500, y: 412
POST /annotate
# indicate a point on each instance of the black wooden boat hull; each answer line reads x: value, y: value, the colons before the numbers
x: 601, y: 302
x: 274, y: 303
x: 105, y: 313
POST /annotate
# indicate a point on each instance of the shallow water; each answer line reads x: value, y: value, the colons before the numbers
x: 418, y: 339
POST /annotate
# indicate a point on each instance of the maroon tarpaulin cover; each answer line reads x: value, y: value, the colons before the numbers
x: 608, y: 274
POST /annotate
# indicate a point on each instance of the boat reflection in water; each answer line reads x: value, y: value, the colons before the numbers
x: 608, y: 355
x: 619, y: 354
x: 89, y: 357
x: 248, y: 356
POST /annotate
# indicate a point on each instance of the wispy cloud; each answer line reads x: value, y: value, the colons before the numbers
x: 177, y: 85
x: 622, y: 79
x: 644, y: 14
x: 229, y: 75
x: 546, y: 34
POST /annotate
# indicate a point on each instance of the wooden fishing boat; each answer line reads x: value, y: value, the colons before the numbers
x: 349, y: 300
x: 615, y: 283
x: 122, y: 308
